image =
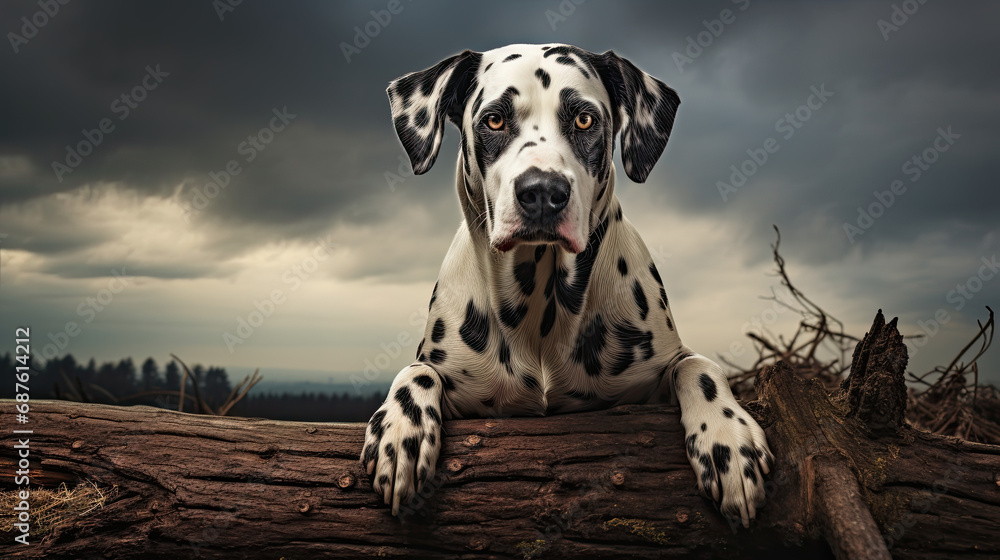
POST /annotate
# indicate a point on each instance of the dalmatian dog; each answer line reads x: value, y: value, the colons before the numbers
x: 548, y: 301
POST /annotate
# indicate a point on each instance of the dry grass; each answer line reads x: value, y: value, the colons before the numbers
x: 954, y: 404
x: 51, y: 507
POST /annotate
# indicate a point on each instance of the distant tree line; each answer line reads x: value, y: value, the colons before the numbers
x: 122, y: 383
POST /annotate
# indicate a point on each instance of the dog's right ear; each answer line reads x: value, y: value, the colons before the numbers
x: 422, y: 100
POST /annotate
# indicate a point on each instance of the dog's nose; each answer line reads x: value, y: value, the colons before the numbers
x: 541, y: 194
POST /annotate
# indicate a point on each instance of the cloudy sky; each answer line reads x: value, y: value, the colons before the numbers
x: 167, y: 171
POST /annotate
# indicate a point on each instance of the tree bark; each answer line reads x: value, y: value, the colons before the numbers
x: 607, y: 484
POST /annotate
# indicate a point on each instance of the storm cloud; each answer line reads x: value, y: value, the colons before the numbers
x: 225, y: 143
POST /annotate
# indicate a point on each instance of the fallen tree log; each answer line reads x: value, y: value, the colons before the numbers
x: 851, y: 481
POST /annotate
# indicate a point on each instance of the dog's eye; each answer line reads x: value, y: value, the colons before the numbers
x: 494, y: 121
x: 584, y: 121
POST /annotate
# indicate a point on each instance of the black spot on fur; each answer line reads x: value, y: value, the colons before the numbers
x: 549, y: 317
x: 670, y: 324
x: 371, y: 453
x: 708, y: 476
x: 410, y: 408
x: 477, y: 103
x: 420, y: 119
x: 629, y: 338
x: 390, y: 452
x: 704, y: 426
x: 692, y: 452
x: 433, y: 413
x: 600, y: 194
x: 424, y: 380
x: 375, y: 424
x: 530, y: 382
x: 707, y: 387
x: 448, y: 384
x: 512, y: 57
x: 419, y: 348
x: 544, y: 77
x: 720, y: 456
x: 383, y: 480
x: 465, y: 164
x: 622, y: 266
x: 727, y: 412
x: 590, y: 344
x: 475, y: 331
x: 540, y: 252
x: 437, y: 333
x: 569, y: 295
x: 512, y: 314
x: 655, y: 273
x: 504, y: 356
x: 433, y: 297
x: 438, y: 355
x: 742, y: 421
x: 432, y: 438
x: 487, y: 69
x: 640, y: 299
x: 619, y: 215
x: 569, y: 62
x: 422, y: 358
x: 750, y: 466
x: 525, y: 274
x: 526, y: 145
x: 412, y: 446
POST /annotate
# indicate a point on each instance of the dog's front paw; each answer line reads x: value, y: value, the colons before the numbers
x: 730, y: 457
x: 403, y: 438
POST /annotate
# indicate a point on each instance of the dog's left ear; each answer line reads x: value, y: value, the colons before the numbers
x: 422, y: 100
x: 643, y: 109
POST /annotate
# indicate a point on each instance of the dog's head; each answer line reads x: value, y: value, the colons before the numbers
x: 538, y: 126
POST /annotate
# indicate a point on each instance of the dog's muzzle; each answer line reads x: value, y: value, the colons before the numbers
x: 542, y: 195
